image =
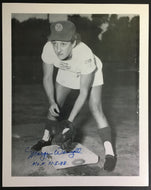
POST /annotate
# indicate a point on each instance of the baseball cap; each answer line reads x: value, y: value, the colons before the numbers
x: 62, y: 31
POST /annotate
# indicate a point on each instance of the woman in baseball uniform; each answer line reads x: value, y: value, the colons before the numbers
x: 78, y: 68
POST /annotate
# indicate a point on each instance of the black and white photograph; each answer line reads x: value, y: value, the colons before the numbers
x: 75, y: 94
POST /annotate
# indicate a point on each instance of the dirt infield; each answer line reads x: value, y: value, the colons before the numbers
x: 28, y: 117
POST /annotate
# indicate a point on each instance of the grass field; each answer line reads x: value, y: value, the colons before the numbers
x: 120, y: 105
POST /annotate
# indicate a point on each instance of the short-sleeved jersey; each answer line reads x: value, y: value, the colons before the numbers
x: 81, y: 62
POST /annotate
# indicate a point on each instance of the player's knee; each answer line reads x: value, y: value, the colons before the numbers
x: 94, y: 108
x: 60, y: 102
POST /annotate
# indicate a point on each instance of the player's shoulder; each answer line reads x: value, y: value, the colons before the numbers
x: 48, y: 45
x: 48, y: 49
x: 48, y: 55
x: 84, y: 46
x: 83, y: 49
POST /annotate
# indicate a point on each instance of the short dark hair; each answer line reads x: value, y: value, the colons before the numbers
x: 76, y: 38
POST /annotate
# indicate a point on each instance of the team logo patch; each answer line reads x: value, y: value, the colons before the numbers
x: 58, y: 27
x: 89, y: 62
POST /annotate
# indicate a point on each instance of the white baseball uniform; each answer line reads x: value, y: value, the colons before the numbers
x: 82, y: 62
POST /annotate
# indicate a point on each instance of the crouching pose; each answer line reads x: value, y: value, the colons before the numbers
x: 78, y: 68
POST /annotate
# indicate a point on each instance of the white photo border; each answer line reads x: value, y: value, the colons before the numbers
x: 139, y: 9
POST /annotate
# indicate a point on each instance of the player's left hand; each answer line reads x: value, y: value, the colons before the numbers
x: 65, y: 136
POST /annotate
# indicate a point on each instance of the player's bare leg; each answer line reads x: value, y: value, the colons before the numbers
x: 95, y: 103
x: 61, y: 94
x: 51, y: 123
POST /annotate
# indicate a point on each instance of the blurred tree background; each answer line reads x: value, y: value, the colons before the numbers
x: 114, y: 40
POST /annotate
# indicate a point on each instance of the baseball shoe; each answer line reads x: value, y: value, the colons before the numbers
x: 38, y: 146
x: 110, y: 162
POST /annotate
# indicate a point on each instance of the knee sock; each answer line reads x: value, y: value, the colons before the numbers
x: 49, y: 129
x: 105, y: 134
x: 46, y: 135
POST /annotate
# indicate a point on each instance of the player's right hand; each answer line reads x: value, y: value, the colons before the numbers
x: 54, y: 110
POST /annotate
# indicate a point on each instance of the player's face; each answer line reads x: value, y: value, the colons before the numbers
x: 62, y: 49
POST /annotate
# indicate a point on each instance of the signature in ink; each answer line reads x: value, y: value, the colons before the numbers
x: 50, y: 163
x: 42, y: 155
x: 58, y: 151
x: 71, y: 154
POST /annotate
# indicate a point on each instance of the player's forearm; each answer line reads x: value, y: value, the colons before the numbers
x: 78, y: 105
x: 49, y: 89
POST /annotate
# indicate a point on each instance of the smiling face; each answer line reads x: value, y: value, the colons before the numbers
x: 63, y: 49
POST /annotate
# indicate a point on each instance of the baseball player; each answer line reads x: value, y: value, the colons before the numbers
x: 78, y: 68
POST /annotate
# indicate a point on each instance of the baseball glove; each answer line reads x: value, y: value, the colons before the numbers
x: 65, y: 136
